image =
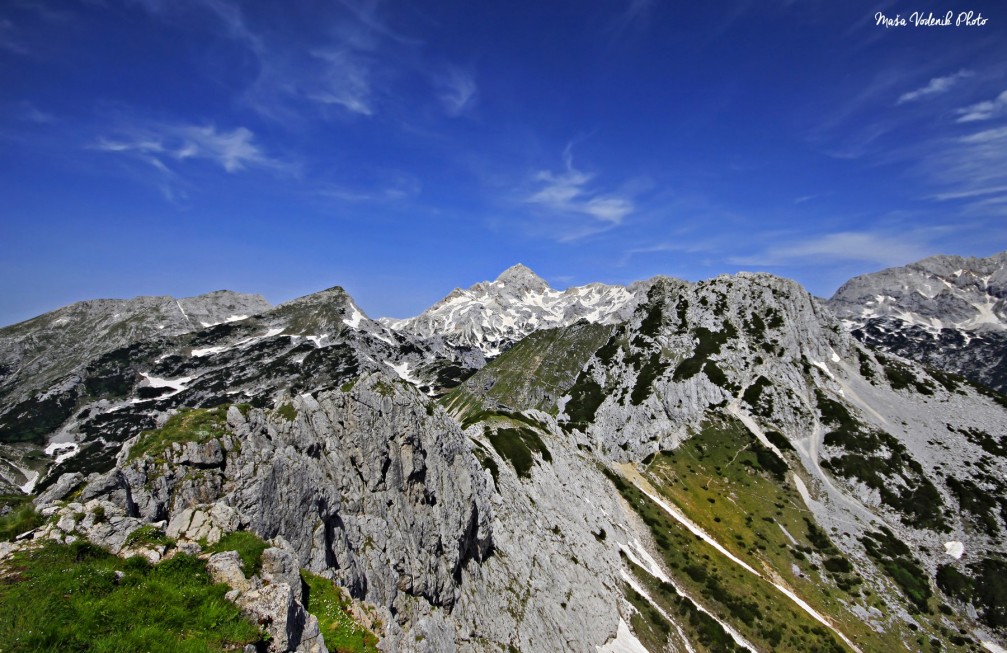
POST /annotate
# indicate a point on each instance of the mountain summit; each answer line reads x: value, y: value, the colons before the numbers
x: 493, y: 315
x: 522, y: 277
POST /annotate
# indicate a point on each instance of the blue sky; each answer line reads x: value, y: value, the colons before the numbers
x: 400, y: 149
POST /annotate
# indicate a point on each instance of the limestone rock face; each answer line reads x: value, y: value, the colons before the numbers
x: 226, y: 567
x: 365, y: 485
x: 692, y: 346
x: 374, y: 487
x: 948, y: 312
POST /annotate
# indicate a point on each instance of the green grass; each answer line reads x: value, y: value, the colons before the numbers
x: 249, y: 547
x: 188, y: 425
x: 516, y: 445
x: 68, y: 599
x: 758, y: 611
x: 649, y: 625
x: 898, y: 562
x: 717, y: 479
x: 287, y: 412
x: 535, y: 372
x: 21, y: 519
x: 699, y: 627
x: 327, y: 602
x: 148, y: 535
x: 709, y: 344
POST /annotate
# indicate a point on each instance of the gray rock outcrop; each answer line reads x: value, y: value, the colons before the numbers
x: 947, y: 312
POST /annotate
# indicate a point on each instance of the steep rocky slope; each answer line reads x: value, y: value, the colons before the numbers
x: 45, y: 360
x: 36, y: 352
x: 947, y: 312
x: 723, y: 467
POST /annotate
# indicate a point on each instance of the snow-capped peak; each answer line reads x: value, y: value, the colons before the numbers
x: 493, y: 315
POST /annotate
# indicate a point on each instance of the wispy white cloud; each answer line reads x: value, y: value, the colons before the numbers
x: 9, y: 40
x: 387, y: 186
x: 966, y: 194
x: 568, y: 192
x: 167, y: 152
x: 936, y: 86
x: 232, y: 150
x: 298, y: 74
x: 368, y: 14
x: 30, y: 113
x: 967, y: 167
x: 344, y: 80
x: 861, y: 246
x: 984, y: 110
x: 986, y: 136
x: 456, y: 90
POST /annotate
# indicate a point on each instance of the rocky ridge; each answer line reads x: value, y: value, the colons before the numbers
x: 948, y: 312
x: 567, y: 502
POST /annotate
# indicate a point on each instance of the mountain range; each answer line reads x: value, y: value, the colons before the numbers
x: 725, y: 465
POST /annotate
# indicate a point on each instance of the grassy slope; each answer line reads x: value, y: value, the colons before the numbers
x: 532, y: 373
x: 329, y: 603
x: 717, y: 480
x: 68, y: 598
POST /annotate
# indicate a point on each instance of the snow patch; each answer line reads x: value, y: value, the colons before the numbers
x: 354, y: 320
x: 28, y: 487
x: 62, y: 451
x: 954, y: 549
x: 993, y: 647
x: 157, y: 382
x: 822, y: 366
x: 625, y: 641
x: 206, y: 351
x: 641, y: 558
x: 835, y: 356
x: 402, y: 369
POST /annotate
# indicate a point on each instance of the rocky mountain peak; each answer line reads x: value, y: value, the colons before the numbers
x: 493, y: 315
x: 523, y: 278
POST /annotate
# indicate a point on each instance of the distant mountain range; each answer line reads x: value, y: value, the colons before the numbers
x: 494, y: 315
x: 948, y: 312
x: 725, y: 465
